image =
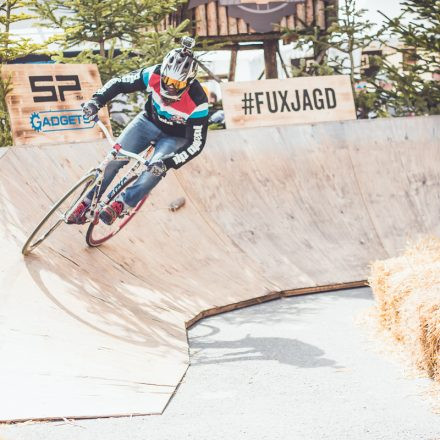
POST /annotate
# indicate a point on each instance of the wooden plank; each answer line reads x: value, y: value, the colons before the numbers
x: 274, y: 296
x: 232, y: 26
x: 398, y: 196
x: 242, y: 26
x: 211, y: 13
x: 310, y: 12
x: 230, y: 307
x: 324, y: 289
x: 312, y: 217
x: 250, y: 46
x: 222, y: 20
x: 97, y: 309
x: 323, y: 195
x: 291, y: 22
x: 283, y: 23
x: 320, y: 13
x: 306, y: 100
x: 54, y: 115
x: 201, y: 24
x: 301, y: 16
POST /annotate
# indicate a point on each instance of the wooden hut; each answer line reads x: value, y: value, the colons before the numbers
x: 254, y: 22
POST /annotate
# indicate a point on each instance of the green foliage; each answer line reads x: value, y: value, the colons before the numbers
x: 216, y: 126
x: 408, y: 89
x: 414, y: 91
x: 5, y: 127
x: 100, y: 21
x: 333, y: 49
x: 151, y: 46
x: 11, y: 48
x: 313, y: 68
x: 121, y: 36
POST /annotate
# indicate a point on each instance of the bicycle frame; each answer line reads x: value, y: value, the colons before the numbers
x: 117, y: 153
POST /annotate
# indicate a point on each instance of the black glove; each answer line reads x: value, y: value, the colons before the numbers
x: 157, y: 168
x: 168, y: 161
x: 90, y: 108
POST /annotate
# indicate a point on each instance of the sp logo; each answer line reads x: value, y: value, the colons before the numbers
x: 45, y: 83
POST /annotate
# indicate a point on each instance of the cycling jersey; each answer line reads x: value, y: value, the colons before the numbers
x: 186, y: 118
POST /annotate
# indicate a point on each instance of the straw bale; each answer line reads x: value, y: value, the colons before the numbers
x: 407, y: 294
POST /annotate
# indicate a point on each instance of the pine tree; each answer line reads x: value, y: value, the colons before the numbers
x: 118, y: 35
x: 415, y: 84
x: 11, y: 48
x: 334, y: 48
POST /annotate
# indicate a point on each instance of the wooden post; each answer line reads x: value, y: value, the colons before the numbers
x: 301, y: 16
x: 309, y: 12
x: 320, y: 14
x: 232, y: 26
x: 201, y: 25
x: 222, y: 20
x: 242, y: 26
x: 270, y: 58
x: 233, y: 64
x: 211, y: 13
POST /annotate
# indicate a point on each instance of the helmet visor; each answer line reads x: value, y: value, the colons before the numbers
x: 170, y: 83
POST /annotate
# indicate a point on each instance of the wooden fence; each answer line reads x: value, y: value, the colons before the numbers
x: 212, y: 19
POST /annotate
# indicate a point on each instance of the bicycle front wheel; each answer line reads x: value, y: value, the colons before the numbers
x: 59, y: 212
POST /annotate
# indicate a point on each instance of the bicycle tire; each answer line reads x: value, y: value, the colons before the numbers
x: 94, y: 241
x: 87, y: 181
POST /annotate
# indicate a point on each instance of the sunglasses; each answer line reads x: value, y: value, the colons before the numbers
x: 178, y: 85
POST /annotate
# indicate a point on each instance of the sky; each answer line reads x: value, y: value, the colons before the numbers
x: 391, y: 8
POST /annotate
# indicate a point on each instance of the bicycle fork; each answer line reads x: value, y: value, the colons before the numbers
x: 133, y: 171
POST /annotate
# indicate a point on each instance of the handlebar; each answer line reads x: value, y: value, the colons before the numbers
x: 117, y: 149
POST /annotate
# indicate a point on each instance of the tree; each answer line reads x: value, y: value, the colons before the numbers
x: 415, y: 85
x: 119, y: 35
x: 334, y: 49
x: 11, y: 48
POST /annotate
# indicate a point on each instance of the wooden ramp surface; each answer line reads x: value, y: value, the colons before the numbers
x: 101, y: 332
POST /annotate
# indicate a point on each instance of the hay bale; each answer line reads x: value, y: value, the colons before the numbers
x: 407, y: 294
x: 429, y: 359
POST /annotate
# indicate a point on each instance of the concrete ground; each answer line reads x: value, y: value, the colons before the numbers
x: 301, y: 368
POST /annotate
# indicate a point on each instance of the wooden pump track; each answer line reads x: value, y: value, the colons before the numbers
x: 269, y: 212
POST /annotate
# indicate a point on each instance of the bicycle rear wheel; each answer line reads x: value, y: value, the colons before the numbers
x: 59, y: 212
x: 98, y: 232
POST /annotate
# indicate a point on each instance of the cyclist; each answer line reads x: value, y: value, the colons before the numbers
x: 175, y: 117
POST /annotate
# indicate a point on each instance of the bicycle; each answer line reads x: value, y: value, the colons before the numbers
x: 97, y: 232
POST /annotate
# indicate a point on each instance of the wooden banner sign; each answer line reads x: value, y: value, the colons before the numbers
x: 45, y: 102
x: 288, y: 101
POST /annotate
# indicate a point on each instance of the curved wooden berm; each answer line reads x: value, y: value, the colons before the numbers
x: 99, y: 332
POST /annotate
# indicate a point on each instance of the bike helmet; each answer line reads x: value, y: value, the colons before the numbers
x: 178, y: 70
